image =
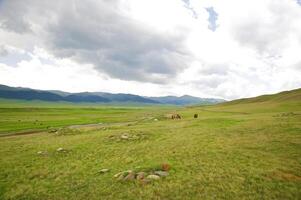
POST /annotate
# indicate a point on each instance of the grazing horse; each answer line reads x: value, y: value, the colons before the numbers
x: 175, y: 116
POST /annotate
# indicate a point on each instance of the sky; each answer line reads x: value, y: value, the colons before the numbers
x: 206, y: 48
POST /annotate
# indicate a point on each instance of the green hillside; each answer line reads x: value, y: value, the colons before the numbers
x: 245, y: 149
x: 282, y: 97
x: 283, y: 101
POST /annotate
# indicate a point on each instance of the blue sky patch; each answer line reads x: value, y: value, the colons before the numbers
x: 213, y: 16
x: 12, y: 59
x: 190, y: 8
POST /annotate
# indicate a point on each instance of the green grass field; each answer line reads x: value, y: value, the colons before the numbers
x: 26, y: 116
x: 248, y: 149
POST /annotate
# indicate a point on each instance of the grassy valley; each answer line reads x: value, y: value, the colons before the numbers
x: 244, y: 149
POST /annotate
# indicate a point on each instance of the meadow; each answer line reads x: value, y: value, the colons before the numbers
x: 247, y: 149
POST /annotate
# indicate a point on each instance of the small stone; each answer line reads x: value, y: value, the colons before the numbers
x: 52, y: 131
x: 124, y: 136
x: 155, y: 120
x: 144, y: 181
x: 140, y: 175
x: 153, y: 177
x: 161, y: 173
x: 118, y: 174
x: 60, y: 149
x: 129, y: 177
x: 165, y: 167
x: 104, y: 171
x: 40, y: 152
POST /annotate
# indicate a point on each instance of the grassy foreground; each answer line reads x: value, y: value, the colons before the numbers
x: 239, y: 150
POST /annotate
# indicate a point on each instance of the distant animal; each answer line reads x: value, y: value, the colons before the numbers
x: 175, y: 116
x: 195, y: 115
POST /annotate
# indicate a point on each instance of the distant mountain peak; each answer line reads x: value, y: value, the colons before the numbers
x: 97, y: 97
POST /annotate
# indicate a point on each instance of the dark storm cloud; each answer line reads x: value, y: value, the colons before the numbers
x: 12, y: 16
x: 99, y: 33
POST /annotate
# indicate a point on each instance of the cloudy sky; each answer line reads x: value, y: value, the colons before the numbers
x: 208, y: 48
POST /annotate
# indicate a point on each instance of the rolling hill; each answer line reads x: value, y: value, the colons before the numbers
x: 20, y: 93
x: 285, y: 96
x: 283, y: 101
x: 186, y: 100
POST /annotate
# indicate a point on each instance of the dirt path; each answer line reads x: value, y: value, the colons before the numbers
x: 23, y: 133
x: 76, y: 126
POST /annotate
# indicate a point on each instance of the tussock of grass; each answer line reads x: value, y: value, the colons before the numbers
x: 128, y: 136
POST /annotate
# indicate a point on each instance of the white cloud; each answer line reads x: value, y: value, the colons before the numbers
x: 154, y: 47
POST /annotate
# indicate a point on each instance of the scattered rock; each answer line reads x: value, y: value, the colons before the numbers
x: 122, y: 175
x: 130, y: 176
x: 60, y: 149
x: 102, y: 171
x: 153, y: 177
x: 156, y: 120
x: 140, y: 175
x: 144, y: 176
x: 118, y: 174
x: 165, y: 167
x: 124, y: 136
x: 161, y: 173
x: 40, y: 152
x: 52, y: 131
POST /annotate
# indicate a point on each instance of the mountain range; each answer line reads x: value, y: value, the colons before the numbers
x: 21, y: 93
